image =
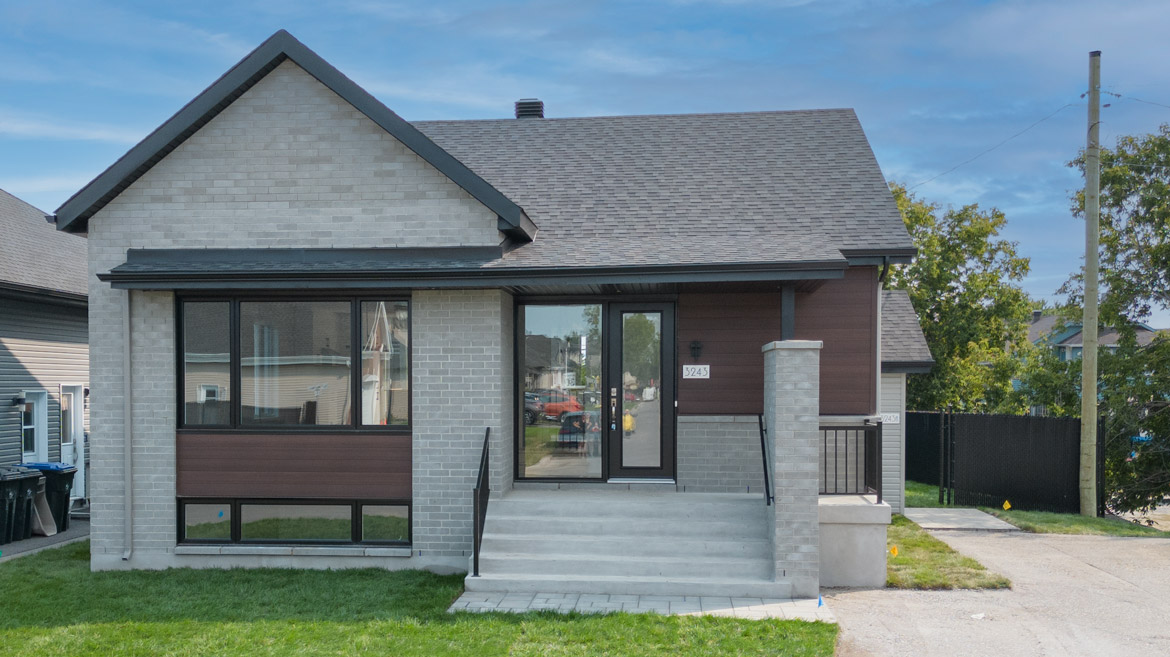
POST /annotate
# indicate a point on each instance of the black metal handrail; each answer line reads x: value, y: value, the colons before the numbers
x: 769, y: 494
x: 866, y: 460
x: 480, y: 499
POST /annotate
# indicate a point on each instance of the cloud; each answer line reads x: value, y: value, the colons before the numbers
x: 24, y: 126
x: 24, y: 186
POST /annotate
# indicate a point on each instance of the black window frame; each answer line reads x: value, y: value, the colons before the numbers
x: 236, y: 521
x: 235, y: 424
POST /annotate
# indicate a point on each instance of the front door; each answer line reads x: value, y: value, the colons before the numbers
x: 73, y: 434
x: 640, y: 391
x: 598, y: 391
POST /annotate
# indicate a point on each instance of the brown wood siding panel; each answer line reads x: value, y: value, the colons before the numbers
x: 732, y: 327
x: 336, y: 466
x: 843, y: 314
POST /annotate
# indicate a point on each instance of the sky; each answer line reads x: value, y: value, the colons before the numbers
x: 934, y: 83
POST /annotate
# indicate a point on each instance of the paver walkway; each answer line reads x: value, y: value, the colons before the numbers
x: 671, y: 605
x: 958, y: 519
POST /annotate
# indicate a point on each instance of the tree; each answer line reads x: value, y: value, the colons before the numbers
x: 965, y: 286
x: 1135, y: 228
x: 1134, y: 408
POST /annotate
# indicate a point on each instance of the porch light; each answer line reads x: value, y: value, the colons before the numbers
x: 696, y: 349
x: 18, y: 400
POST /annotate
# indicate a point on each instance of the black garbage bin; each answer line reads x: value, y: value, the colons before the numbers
x: 8, y: 487
x: 58, y: 484
x: 24, y: 482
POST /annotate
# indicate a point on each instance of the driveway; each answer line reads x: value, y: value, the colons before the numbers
x: 1071, y: 595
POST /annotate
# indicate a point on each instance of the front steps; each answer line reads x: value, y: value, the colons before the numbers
x: 627, y: 543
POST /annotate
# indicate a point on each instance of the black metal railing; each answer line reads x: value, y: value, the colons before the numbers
x: 769, y: 493
x: 851, y: 460
x: 480, y: 499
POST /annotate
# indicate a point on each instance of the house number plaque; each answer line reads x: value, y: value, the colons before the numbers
x: 696, y: 371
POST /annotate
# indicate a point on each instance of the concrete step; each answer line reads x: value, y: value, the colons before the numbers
x: 579, y: 545
x: 578, y: 525
x: 664, y: 506
x: 623, y: 565
x: 626, y: 585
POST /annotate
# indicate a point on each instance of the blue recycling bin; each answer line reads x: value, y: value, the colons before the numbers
x: 58, y: 484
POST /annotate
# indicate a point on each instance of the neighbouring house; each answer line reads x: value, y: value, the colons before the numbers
x: 1065, y: 337
x: 315, y: 326
x: 904, y: 351
x: 44, y: 352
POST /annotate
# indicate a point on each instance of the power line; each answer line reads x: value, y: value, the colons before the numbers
x: 985, y: 152
x: 1138, y: 100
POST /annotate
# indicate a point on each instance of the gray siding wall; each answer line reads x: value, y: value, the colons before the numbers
x: 893, y: 400
x: 41, y: 347
x: 288, y: 164
x: 720, y: 454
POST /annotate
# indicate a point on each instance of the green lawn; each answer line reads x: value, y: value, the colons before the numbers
x: 539, y: 441
x: 51, y: 604
x: 924, y: 562
x: 920, y: 495
x: 1041, y: 522
x: 375, y: 528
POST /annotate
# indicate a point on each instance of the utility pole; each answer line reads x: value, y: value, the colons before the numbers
x: 1089, y: 324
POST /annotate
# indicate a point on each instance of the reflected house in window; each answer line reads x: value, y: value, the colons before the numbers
x: 373, y: 324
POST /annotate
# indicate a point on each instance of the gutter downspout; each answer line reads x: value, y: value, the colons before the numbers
x: 127, y: 434
x: 885, y: 269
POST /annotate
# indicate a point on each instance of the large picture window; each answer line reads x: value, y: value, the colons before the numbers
x: 265, y: 363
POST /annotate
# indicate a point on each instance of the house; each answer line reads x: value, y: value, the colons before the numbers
x: 44, y: 353
x: 1065, y: 337
x: 315, y: 324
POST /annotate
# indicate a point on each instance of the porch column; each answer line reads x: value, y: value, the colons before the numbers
x: 792, y: 411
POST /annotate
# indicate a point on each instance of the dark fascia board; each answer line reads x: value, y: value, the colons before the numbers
x: 74, y: 214
x: 879, y: 257
x: 42, y: 295
x: 907, y: 367
x: 463, y: 278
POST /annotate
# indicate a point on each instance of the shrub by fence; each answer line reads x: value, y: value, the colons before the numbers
x: 983, y: 460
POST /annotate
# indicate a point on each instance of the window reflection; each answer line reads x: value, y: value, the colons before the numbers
x: 295, y: 362
x: 562, y: 391
x: 207, y: 362
x: 385, y: 363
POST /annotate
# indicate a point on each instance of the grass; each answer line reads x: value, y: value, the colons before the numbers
x: 924, y: 562
x: 1041, y: 522
x: 919, y: 495
x: 51, y: 604
x: 376, y: 528
x: 539, y: 441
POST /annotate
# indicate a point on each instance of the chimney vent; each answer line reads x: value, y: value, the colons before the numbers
x: 529, y: 108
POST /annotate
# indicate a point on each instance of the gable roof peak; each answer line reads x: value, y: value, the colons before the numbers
x: 73, y: 215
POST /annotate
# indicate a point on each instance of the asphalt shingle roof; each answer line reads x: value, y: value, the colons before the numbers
x: 902, y: 339
x: 34, y: 254
x: 684, y: 189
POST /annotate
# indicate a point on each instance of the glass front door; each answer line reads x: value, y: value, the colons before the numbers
x: 596, y: 403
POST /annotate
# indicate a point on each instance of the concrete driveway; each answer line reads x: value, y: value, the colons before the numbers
x: 1072, y: 595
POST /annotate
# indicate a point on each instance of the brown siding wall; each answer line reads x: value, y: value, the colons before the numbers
x: 843, y: 313
x: 734, y: 326
x: 343, y: 466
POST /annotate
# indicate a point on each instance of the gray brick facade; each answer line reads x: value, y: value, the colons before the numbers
x: 288, y: 164
x: 462, y: 384
x: 719, y: 454
x: 791, y: 408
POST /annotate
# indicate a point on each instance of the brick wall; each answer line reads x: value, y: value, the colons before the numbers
x: 288, y: 164
x: 462, y: 384
x: 720, y: 454
x: 791, y: 409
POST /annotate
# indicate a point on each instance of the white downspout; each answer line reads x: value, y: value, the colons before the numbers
x: 127, y: 433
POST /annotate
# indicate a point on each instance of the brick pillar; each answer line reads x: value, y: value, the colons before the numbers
x: 792, y: 411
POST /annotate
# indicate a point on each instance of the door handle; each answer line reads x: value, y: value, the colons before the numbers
x: 613, y: 401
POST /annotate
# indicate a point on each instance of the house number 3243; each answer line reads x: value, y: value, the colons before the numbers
x: 696, y: 371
